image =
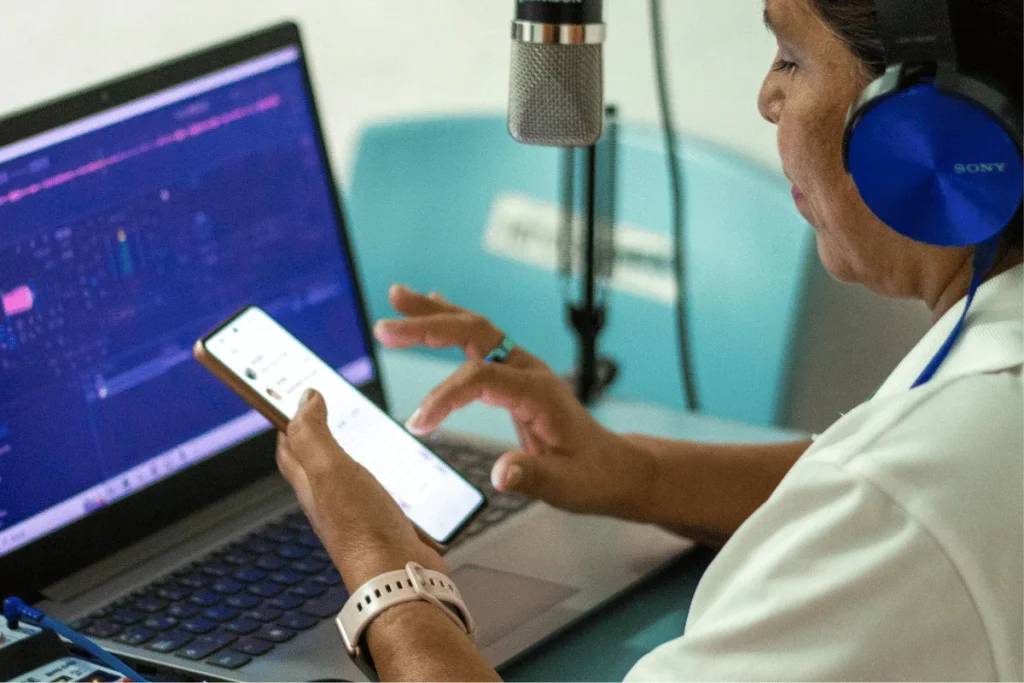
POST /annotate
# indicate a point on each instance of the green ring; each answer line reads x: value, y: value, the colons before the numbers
x: 500, y: 354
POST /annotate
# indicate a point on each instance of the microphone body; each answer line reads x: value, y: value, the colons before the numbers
x: 556, y: 87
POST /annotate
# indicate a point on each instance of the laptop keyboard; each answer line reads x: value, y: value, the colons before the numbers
x: 239, y: 602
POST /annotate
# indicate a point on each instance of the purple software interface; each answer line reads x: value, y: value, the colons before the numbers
x: 125, y: 236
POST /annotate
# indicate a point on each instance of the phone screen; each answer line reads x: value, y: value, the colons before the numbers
x: 280, y: 368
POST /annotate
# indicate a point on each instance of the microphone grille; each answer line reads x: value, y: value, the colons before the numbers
x: 556, y: 95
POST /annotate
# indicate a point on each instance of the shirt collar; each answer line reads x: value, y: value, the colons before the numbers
x: 992, y: 339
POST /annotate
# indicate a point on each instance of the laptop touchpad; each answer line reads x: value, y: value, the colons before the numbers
x: 501, y: 602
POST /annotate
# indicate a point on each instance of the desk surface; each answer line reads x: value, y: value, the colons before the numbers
x: 605, y: 644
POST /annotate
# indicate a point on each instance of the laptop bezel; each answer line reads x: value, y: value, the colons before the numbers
x: 29, y: 569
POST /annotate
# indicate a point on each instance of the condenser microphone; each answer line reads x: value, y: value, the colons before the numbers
x: 556, y: 88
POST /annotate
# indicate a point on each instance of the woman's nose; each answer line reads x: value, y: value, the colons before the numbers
x: 769, y: 100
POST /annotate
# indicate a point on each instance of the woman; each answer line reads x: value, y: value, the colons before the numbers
x: 890, y: 547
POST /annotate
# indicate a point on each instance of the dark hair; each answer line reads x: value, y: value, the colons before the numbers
x: 989, y: 42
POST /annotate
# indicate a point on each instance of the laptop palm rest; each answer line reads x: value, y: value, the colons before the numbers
x: 505, y: 601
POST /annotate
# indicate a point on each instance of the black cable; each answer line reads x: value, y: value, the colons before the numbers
x: 676, y: 186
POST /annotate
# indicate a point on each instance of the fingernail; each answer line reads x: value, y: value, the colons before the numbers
x: 504, y: 477
x: 307, y: 396
x: 413, y: 423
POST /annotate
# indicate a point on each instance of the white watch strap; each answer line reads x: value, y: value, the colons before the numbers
x: 394, y: 588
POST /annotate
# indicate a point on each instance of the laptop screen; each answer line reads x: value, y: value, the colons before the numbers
x: 126, y: 235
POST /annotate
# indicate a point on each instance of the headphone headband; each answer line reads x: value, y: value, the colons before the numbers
x: 916, y: 31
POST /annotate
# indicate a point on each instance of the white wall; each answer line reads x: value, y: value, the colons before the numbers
x: 394, y: 58
x: 384, y: 58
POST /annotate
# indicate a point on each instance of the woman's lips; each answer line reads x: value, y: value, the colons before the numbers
x: 797, y: 194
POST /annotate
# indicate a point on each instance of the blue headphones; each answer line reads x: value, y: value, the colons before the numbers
x: 934, y: 152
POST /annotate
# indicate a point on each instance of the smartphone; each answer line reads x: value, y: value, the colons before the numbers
x: 270, y: 369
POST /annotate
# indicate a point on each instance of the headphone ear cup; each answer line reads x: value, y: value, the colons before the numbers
x: 935, y: 167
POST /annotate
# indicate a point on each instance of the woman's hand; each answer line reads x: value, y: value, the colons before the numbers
x: 360, y: 525
x: 367, y: 534
x: 567, y: 458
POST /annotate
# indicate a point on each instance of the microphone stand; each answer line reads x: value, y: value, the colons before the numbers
x: 593, y: 373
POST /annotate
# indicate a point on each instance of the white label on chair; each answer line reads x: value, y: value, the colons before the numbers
x: 526, y: 230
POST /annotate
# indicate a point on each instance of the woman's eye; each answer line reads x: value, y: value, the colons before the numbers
x: 783, y: 65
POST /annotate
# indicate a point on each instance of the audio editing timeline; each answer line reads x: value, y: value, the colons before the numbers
x: 110, y: 271
x: 175, y: 136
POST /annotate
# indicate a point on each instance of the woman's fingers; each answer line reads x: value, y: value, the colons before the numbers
x: 474, y: 335
x: 410, y: 303
x: 532, y: 475
x: 310, y: 440
x: 433, y: 322
x: 286, y: 462
x: 495, y: 384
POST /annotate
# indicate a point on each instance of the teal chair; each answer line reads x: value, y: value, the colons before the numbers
x: 425, y: 199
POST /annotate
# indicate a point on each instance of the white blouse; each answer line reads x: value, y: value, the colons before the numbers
x: 893, y: 549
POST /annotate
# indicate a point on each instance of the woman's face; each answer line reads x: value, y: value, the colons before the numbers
x: 807, y: 94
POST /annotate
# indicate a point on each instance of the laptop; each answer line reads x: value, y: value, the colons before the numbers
x: 139, y: 497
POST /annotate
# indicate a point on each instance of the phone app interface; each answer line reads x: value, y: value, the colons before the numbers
x: 279, y: 367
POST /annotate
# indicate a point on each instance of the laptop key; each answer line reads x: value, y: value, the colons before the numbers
x: 136, y: 636
x: 239, y: 556
x: 509, y: 502
x: 260, y: 546
x: 253, y: 646
x: 328, y: 604
x: 122, y: 602
x: 309, y: 540
x: 204, y: 646
x: 287, y: 577
x: 198, y: 625
x: 280, y: 535
x: 292, y: 552
x: 150, y: 604
x: 270, y: 563
x: 264, y: 613
x: 265, y: 589
x: 182, y: 611
x: 243, y: 601
x: 275, y: 634
x: 160, y: 622
x: 328, y: 577
x: 221, y: 613
x: 205, y: 598
x: 243, y: 625
x: 217, y: 569
x: 495, y: 515
x: 475, y: 527
x: 308, y: 565
x: 229, y: 659
x: 227, y: 586
x: 300, y: 528
x: 286, y: 601
x: 173, y: 592
x: 308, y: 589
x: 169, y: 642
x: 103, y: 629
x: 250, y: 575
x: 298, y: 621
x: 194, y: 581
x: 127, y: 617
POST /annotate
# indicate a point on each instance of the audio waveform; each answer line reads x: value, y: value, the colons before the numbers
x: 173, y: 137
